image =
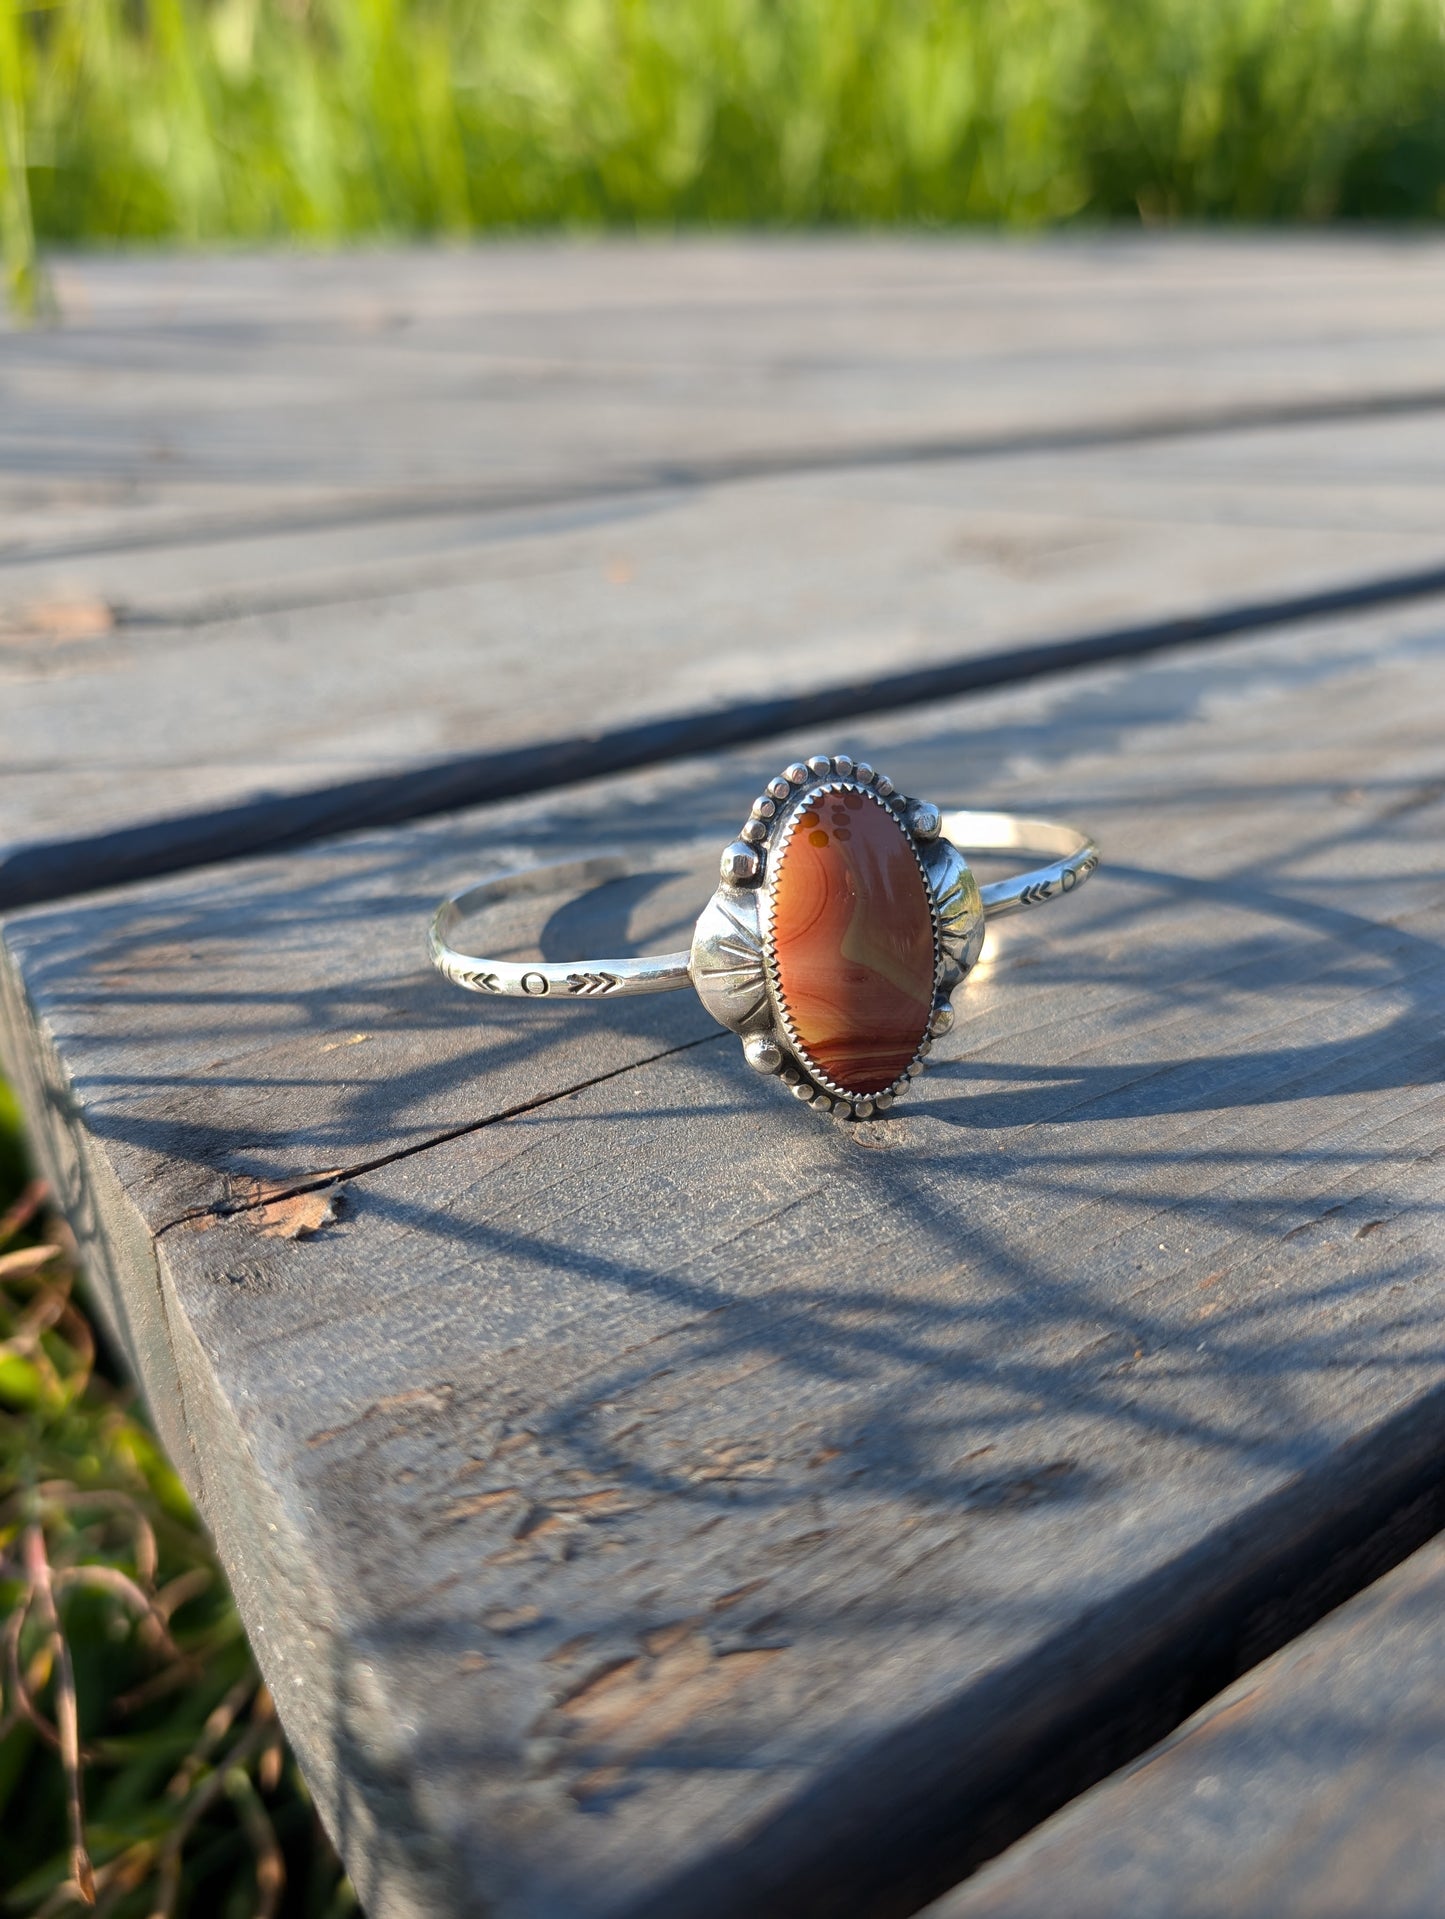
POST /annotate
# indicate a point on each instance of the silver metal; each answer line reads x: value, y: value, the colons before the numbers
x: 763, y: 1053
x: 924, y: 820
x: 540, y: 979
x: 730, y: 963
x: 741, y: 864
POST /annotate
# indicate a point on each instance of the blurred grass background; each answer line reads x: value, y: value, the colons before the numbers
x: 327, y: 120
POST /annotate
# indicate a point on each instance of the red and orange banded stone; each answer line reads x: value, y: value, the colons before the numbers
x: 850, y: 934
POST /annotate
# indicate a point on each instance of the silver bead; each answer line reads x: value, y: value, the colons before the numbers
x: 779, y: 789
x: 942, y: 1021
x: 924, y: 820
x: 882, y: 1101
x: 924, y: 1046
x: 914, y: 1070
x: 763, y: 1053
x: 802, y: 1090
x: 863, y: 773
x: 763, y: 809
x: 863, y: 1108
x: 755, y: 831
x: 822, y: 1104
x: 843, y: 766
x: 740, y: 864
x: 883, y: 786
x: 820, y: 763
x: 791, y: 1075
x: 797, y: 773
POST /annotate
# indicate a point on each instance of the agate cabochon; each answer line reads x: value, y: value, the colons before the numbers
x: 850, y: 941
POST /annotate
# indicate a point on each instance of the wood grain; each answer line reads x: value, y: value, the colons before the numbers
x: 682, y: 619
x: 1309, y: 1790
x: 185, y: 394
x: 278, y: 526
x: 647, y: 1498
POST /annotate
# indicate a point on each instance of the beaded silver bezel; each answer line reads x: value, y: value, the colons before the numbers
x: 734, y: 967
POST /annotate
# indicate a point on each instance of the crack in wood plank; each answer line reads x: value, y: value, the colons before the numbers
x: 269, y: 1199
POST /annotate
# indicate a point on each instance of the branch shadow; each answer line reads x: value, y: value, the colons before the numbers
x: 608, y: 1344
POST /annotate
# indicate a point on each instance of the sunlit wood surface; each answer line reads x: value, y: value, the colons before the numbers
x: 644, y: 1497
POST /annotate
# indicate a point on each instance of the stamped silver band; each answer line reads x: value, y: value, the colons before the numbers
x: 1073, y: 857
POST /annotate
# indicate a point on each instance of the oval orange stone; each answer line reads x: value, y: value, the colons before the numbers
x: 850, y: 930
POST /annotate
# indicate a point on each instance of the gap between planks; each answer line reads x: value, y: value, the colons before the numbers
x: 444, y: 502
x: 50, y: 870
x: 1309, y: 1790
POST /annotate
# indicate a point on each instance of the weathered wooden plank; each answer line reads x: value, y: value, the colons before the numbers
x: 270, y: 508
x: 228, y: 685
x: 646, y: 1498
x: 183, y: 391
x: 1311, y: 1788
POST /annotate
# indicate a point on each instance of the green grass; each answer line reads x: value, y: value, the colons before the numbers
x: 327, y: 120
x: 140, y: 1756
